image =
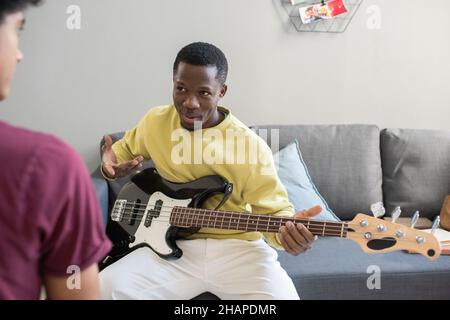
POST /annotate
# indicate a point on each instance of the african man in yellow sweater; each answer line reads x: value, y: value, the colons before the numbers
x: 190, y: 139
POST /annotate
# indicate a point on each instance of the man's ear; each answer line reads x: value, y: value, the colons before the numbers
x: 223, y: 90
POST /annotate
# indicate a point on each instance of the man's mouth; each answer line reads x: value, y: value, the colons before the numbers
x: 191, y: 118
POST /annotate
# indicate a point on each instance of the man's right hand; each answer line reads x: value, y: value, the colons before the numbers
x: 111, y: 168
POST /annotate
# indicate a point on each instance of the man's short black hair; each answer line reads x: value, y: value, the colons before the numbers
x: 203, y: 54
x: 13, y: 6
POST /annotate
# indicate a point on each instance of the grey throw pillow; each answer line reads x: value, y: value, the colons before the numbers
x: 301, y: 190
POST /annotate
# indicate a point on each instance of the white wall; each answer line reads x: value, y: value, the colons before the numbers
x: 84, y: 83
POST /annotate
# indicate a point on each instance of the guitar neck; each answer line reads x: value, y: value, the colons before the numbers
x: 228, y: 220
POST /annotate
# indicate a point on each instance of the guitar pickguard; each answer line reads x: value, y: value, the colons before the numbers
x: 154, y: 225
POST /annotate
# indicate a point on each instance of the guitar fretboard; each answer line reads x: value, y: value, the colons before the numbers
x: 228, y: 220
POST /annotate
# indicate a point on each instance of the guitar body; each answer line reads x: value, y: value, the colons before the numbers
x: 148, y: 199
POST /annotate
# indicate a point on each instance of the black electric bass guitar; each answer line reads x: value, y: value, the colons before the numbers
x: 151, y: 211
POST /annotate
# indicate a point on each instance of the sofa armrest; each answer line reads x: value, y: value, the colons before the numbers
x: 101, y: 188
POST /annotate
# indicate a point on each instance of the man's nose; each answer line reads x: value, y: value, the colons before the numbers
x: 19, y: 56
x: 191, y: 102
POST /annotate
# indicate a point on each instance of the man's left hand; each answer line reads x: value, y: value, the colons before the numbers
x: 295, y: 238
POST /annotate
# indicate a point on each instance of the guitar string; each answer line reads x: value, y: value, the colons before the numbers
x: 143, y: 207
x: 312, y: 223
x: 199, y: 212
x: 131, y: 210
x: 242, y: 218
x: 329, y: 223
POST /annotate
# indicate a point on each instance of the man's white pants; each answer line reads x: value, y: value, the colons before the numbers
x: 228, y: 268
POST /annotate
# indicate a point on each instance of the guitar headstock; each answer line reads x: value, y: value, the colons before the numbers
x: 375, y: 235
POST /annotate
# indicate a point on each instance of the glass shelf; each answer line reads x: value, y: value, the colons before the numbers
x: 336, y: 25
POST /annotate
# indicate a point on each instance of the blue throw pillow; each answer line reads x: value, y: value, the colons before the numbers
x: 294, y: 175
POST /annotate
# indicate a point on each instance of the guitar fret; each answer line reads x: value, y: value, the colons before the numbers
x: 172, y: 219
x: 190, y: 216
x: 239, y: 220
x: 195, y: 218
x: 203, y: 219
x: 186, y: 217
x: 223, y: 220
x: 229, y: 220
x: 209, y: 220
x: 202, y: 216
x: 176, y: 216
x: 182, y: 217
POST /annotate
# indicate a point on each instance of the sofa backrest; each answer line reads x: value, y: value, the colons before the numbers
x: 354, y: 166
x: 416, y: 170
x: 343, y: 160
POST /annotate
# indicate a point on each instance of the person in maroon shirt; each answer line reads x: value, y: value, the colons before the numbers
x: 51, y: 230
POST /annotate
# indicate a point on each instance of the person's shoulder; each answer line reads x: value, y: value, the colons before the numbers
x: 22, y: 142
x: 160, y: 111
x: 251, y: 134
x: 58, y: 154
x: 22, y: 147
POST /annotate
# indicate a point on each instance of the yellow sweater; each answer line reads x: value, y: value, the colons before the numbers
x: 230, y: 150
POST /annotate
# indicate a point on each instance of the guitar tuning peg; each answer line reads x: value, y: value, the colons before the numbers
x: 435, y: 224
x: 395, y: 214
x: 414, y: 219
x: 377, y: 209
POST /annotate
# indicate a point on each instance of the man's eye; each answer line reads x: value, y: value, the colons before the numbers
x: 205, y: 93
x: 181, y: 89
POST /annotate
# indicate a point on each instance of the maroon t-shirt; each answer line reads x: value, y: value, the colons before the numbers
x: 49, y: 214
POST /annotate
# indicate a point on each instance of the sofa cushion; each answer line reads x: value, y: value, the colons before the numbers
x: 343, y: 160
x: 336, y: 268
x: 294, y: 175
x: 416, y: 170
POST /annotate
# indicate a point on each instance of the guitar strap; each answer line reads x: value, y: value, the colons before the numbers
x: 228, y: 189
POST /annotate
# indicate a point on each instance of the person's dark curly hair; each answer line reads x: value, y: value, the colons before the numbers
x: 203, y: 54
x: 13, y: 6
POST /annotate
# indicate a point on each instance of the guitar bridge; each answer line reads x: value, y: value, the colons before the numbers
x: 118, y: 210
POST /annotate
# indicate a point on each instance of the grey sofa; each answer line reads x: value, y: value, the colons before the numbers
x: 354, y: 166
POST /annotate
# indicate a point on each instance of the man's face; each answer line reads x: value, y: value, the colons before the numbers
x: 196, y: 93
x: 10, y: 53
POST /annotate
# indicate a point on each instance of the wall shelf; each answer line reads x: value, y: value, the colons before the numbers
x: 336, y: 25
